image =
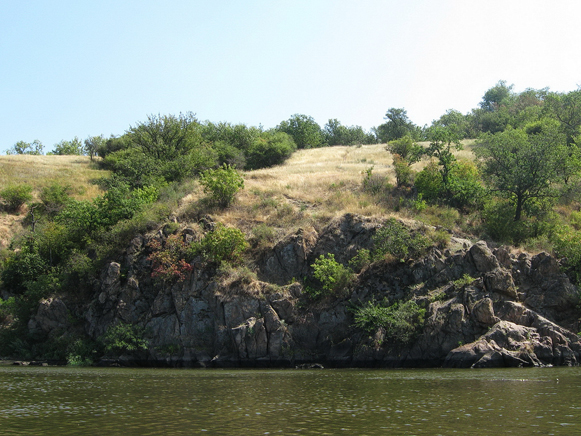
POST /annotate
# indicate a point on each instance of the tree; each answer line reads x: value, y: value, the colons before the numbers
x: 167, y: 137
x: 442, y: 141
x: 304, y: 130
x: 35, y: 147
x: 496, y: 96
x: 271, y: 148
x: 238, y: 136
x: 454, y: 118
x: 337, y: 134
x: 405, y: 152
x: 73, y: 147
x: 93, y: 144
x: 522, y: 165
x: 566, y: 108
x: 397, y: 126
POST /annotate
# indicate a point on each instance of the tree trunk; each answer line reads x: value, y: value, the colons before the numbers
x: 519, y: 205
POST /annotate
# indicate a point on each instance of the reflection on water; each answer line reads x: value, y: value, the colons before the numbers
x: 256, y: 402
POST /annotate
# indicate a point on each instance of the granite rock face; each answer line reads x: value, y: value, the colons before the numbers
x: 513, y: 310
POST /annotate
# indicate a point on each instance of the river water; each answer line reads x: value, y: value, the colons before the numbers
x: 97, y: 401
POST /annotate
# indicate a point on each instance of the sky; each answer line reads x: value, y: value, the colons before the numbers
x: 79, y: 68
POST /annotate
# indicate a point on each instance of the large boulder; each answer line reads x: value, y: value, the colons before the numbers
x: 483, y: 258
x: 51, y: 318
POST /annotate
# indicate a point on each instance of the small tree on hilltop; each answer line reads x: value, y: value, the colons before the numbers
x: 304, y: 130
x: 22, y: 147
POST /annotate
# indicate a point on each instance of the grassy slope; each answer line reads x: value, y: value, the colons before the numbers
x: 311, y: 188
x: 41, y: 171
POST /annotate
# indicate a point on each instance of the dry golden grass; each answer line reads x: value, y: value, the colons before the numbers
x: 311, y: 188
x: 40, y: 171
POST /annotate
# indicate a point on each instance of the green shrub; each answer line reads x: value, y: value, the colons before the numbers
x: 567, y: 243
x: 222, y: 184
x: 304, y: 130
x: 465, y: 280
x: 85, y: 219
x: 16, y: 195
x: 401, y: 321
x: 419, y: 204
x: 223, y: 244
x: 500, y: 225
x: 406, y: 148
x: 81, y: 352
x: 333, y: 278
x: 228, y: 154
x: 269, y: 149
x: 398, y: 241
x: 403, y: 172
x: 465, y: 187
x: 575, y: 219
x: 360, y: 260
x: 130, y: 165
x: 23, y: 267
x: 54, y: 197
x: 122, y: 338
x: 7, y: 308
x: 429, y: 182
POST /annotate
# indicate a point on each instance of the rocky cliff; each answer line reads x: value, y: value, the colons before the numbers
x: 513, y: 311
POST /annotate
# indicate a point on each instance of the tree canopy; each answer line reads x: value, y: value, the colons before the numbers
x: 304, y: 130
x: 397, y: 126
x: 21, y: 147
x: 522, y: 164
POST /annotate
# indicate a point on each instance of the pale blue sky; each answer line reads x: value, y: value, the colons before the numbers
x: 78, y: 67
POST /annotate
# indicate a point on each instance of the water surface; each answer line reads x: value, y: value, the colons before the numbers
x: 65, y: 401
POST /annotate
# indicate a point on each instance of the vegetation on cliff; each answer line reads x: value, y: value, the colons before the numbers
x: 509, y: 172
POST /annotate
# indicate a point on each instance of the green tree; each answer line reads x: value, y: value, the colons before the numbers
x: 397, y: 126
x: 93, y: 144
x: 522, y: 165
x: 270, y: 148
x: 566, y: 108
x: 304, y: 130
x: 405, y: 152
x: 453, y: 118
x: 21, y: 147
x: 73, y: 147
x: 238, y: 136
x: 443, y: 140
x: 497, y: 96
x: 167, y: 137
x: 337, y: 134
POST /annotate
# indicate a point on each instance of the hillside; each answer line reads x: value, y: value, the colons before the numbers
x: 312, y: 187
x: 329, y: 276
x: 39, y: 172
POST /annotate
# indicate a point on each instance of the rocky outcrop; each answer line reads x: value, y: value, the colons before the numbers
x: 483, y: 307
